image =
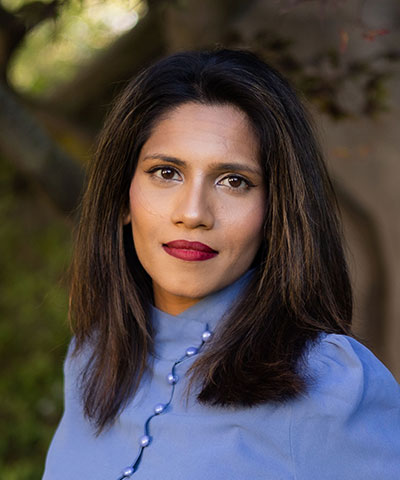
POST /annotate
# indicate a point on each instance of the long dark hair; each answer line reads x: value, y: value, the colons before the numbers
x: 300, y: 287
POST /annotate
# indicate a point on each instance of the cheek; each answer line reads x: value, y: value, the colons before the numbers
x: 244, y: 226
x: 145, y: 207
x: 253, y: 231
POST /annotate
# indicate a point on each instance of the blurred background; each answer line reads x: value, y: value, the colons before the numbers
x: 61, y: 64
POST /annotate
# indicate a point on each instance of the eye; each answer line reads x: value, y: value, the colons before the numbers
x: 236, y: 182
x: 167, y: 173
x: 164, y: 173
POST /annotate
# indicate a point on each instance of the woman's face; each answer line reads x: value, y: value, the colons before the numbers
x: 197, y: 203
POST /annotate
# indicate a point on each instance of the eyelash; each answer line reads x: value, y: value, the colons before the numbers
x: 153, y: 170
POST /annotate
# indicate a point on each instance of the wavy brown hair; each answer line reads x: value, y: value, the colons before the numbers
x: 300, y: 287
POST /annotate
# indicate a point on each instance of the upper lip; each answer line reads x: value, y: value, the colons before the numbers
x: 185, y: 244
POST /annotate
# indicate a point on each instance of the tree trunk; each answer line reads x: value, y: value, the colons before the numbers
x: 25, y: 143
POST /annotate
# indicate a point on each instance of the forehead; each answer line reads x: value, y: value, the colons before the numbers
x: 206, y: 130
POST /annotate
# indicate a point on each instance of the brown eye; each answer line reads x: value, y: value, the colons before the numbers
x: 167, y: 173
x: 235, y: 182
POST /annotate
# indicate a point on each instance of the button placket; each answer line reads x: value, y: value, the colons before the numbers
x: 162, y: 408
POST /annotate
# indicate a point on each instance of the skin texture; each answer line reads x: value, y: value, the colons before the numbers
x: 193, y: 197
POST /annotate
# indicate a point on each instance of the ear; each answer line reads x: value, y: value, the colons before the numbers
x: 127, y: 219
x: 126, y: 215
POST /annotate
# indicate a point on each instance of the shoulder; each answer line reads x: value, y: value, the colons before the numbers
x: 348, y: 423
x: 75, y: 364
x: 342, y: 366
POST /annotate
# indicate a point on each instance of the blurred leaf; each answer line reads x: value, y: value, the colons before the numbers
x: 371, y: 35
x: 53, y: 52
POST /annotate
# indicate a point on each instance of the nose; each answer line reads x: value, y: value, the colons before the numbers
x: 194, y: 206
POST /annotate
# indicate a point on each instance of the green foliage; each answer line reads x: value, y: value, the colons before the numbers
x: 35, y: 251
x: 54, y: 51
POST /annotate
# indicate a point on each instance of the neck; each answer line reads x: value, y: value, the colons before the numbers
x: 173, y: 305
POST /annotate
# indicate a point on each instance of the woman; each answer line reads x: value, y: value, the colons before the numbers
x: 210, y: 300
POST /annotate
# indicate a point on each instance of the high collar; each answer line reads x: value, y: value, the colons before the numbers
x: 175, y: 333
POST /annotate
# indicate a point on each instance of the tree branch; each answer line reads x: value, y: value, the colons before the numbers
x: 14, y: 26
x: 86, y: 96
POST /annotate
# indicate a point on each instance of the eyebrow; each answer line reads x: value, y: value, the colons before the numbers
x: 217, y: 166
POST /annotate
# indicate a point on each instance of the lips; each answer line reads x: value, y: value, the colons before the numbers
x: 191, y: 251
x: 185, y: 245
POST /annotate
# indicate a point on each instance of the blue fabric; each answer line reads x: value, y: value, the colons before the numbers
x: 346, y: 427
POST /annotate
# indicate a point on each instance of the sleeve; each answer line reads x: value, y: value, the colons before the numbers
x: 73, y: 367
x: 347, y: 427
x: 68, y: 436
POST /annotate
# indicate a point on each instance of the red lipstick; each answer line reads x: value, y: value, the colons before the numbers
x: 192, y: 251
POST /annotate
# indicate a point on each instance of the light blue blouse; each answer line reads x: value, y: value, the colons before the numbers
x: 347, y: 426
